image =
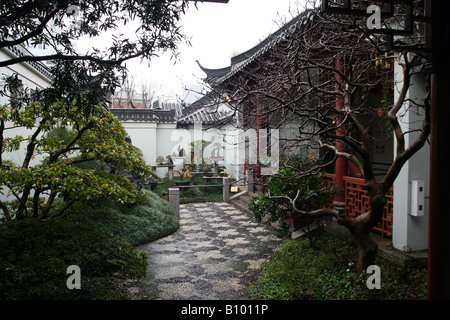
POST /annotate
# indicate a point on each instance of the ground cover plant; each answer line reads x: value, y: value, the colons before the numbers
x: 327, y: 271
x: 139, y: 223
x: 35, y: 256
x: 192, y: 195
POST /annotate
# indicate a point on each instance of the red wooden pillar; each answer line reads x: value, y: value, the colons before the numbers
x: 341, y: 128
x: 259, y: 126
x: 244, y: 127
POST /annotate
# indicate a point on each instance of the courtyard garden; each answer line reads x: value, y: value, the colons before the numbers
x: 195, y: 186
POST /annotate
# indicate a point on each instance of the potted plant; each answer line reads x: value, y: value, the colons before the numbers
x: 160, y: 160
x: 185, y: 176
x: 207, y: 172
x: 152, y: 181
x: 169, y: 160
x: 224, y: 173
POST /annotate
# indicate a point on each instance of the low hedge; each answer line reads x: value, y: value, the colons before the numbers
x: 35, y: 255
x: 137, y: 224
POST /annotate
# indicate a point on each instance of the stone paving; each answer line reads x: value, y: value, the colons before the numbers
x: 212, y: 256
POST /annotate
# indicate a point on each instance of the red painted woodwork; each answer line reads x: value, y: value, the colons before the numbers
x: 356, y: 201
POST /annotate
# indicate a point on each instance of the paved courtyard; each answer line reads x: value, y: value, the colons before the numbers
x: 212, y: 256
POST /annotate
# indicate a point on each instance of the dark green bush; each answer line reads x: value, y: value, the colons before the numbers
x: 34, y: 257
x: 328, y: 271
x: 192, y: 195
x: 139, y: 223
x: 310, y: 193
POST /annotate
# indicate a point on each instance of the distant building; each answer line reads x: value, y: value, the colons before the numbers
x: 129, y: 99
x: 33, y: 75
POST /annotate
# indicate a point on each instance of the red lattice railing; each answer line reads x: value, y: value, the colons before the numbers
x: 357, y: 202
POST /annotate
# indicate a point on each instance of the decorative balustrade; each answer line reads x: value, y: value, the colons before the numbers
x: 20, y: 51
x: 174, y: 194
x: 357, y: 202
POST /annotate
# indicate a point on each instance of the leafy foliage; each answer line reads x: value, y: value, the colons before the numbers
x: 309, y: 191
x: 61, y: 137
x: 59, y: 23
x: 35, y: 257
x: 137, y: 224
x: 327, y: 271
x: 156, y: 24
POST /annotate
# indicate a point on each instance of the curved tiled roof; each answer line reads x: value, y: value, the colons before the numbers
x: 205, y: 116
x: 207, y: 110
x: 242, y: 60
x: 144, y: 115
x: 214, y: 73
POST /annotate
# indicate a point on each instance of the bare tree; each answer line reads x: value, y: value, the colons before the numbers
x: 60, y: 23
x: 320, y: 75
x: 134, y: 95
x: 147, y: 94
x: 124, y: 97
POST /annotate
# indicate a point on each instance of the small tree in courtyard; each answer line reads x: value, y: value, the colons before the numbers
x: 320, y: 77
x: 67, y: 122
x: 51, y: 181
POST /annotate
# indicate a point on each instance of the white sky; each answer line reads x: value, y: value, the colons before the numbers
x: 217, y: 31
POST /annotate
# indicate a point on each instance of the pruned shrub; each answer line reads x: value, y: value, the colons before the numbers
x: 137, y: 223
x: 35, y: 255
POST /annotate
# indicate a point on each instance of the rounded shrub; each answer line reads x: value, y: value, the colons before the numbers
x: 35, y: 255
x: 137, y: 223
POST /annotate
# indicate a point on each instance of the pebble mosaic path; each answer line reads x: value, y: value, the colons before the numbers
x: 212, y: 256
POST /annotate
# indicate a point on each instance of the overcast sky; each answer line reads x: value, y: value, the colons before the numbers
x: 218, y: 31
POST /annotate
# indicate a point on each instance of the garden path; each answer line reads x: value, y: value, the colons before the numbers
x: 212, y: 256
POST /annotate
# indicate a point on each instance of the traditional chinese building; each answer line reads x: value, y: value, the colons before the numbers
x: 404, y: 219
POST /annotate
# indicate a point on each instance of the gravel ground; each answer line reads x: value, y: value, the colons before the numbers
x: 211, y: 257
